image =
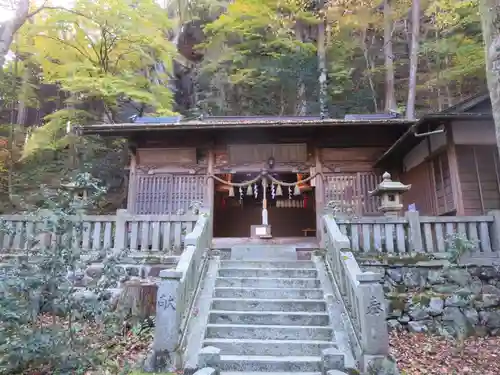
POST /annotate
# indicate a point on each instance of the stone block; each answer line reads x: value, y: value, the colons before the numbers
x: 332, y: 359
x: 95, y: 271
x: 206, y: 371
x: 154, y: 270
x: 209, y: 356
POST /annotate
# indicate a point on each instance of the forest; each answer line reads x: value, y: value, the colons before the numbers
x: 107, y: 60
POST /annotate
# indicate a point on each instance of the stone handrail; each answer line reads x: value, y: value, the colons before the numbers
x: 177, y: 289
x: 361, y: 292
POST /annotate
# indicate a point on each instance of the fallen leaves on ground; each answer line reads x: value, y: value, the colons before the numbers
x: 423, y: 354
x: 123, y: 350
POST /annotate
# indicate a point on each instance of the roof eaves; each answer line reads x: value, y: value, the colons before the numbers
x: 468, y: 103
x: 430, y: 118
x: 108, y: 128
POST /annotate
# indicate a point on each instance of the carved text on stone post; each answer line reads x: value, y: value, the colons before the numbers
x: 374, y: 307
x: 165, y: 303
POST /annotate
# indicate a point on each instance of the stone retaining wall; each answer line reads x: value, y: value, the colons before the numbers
x: 430, y: 294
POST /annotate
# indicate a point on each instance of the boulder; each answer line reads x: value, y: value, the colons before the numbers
x: 395, y: 274
x: 412, y: 278
x: 490, y: 319
x: 404, y: 319
x: 435, y: 277
x: 472, y: 315
x: 418, y: 327
x: 460, y: 298
x: 418, y: 313
x: 454, y: 318
x: 393, y: 324
x: 436, y: 306
x: 458, y: 276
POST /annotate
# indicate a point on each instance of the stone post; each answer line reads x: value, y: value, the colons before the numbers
x: 166, y: 337
x: 121, y: 230
x: 374, y: 336
x: 495, y: 230
x: 414, y: 231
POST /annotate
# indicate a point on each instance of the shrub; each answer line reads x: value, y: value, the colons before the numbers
x: 45, y: 318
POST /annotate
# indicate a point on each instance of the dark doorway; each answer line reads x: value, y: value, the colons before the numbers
x: 289, y: 215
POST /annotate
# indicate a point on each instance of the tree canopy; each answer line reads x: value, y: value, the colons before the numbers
x: 106, y: 61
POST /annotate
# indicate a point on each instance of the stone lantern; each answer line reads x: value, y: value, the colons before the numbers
x: 390, y: 193
x: 80, y: 193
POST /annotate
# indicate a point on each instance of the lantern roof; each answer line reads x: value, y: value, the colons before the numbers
x: 389, y: 186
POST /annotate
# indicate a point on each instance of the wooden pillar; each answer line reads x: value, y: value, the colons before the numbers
x: 319, y: 194
x: 208, y: 200
x: 132, y: 183
x: 451, y: 153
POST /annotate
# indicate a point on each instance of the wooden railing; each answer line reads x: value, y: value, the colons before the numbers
x: 362, y: 294
x: 178, y: 287
x: 414, y: 233
x: 164, y: 233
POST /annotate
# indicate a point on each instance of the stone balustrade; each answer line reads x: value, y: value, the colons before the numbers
x: 361, y: 293
x: 177, y: 291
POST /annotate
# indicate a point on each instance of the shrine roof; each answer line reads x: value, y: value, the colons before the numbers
x: 233, y: 122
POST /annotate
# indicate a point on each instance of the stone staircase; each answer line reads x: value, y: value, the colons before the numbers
x: 269, y: 316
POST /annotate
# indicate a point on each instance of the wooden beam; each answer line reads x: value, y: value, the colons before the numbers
x: 132, y: 183
x: 208, y: 200
x: 433, y: 176
x: 454, y: 171
x: 319, y: 194
x: 476, y: 167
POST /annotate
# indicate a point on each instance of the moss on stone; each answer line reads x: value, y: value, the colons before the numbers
x: 397, y: 301
x: 393, y: 259
x: 152, y: 260
x: 422, y: 299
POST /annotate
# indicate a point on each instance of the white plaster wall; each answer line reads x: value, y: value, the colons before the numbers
x: 474, y: 133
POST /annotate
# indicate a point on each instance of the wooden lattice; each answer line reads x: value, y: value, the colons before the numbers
x: 349, y: 192
x: 167, y: 193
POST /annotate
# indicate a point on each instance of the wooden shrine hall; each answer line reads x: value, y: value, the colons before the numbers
x: 284, y: 171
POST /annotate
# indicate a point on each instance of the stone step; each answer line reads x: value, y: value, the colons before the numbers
x: 269, y: 272
x: 263, y: 252
x: 268, y: 293
x: 266, y: 282
x: 270, y: 363
x: 267, y: 264
x: 239, y: 304
x: 268, y: 332
x: 269, y: 318
x: 269, y: 347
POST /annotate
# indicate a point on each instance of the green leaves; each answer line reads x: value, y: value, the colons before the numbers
x: 104, y: 53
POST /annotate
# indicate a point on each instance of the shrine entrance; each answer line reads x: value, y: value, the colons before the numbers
x: 241, y: 197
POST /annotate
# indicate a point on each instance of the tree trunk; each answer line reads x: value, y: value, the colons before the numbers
x: 412, y: 84
x: 369, y: 67
x: 323, y: 108
x: 10, y: 28
x: 490, y: 19
x: 301, y: 100
x: 390, y: 98
x: 138, y: 299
